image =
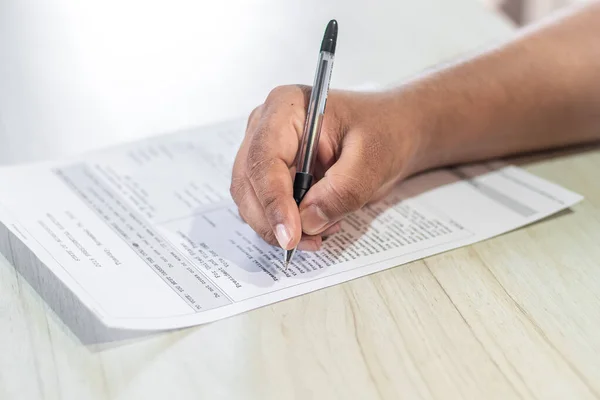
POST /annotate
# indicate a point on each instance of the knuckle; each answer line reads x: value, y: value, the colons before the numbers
x: 294, y: 94
x: 254, y: 115
x: 256, y: 112
x: 279, y: 91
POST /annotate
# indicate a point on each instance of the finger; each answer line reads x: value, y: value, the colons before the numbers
x: 347, y: 186
x: 333, y: 229
x: 249, y: 208
x: 314, y: 243
x: 310, y: 243
x: 252, y: 212
x: 270, y: 179
x: 272, y: 148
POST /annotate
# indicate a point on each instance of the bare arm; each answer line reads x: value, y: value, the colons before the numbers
x: 541, y: 90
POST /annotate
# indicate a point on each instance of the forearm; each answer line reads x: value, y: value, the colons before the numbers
x: 540, y: 91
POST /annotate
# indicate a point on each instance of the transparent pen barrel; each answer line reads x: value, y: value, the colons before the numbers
x: 316, y: 109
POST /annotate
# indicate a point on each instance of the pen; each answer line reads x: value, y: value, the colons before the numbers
x: 314, y: 120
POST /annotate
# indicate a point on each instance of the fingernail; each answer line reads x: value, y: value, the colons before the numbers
x: 283, y: 236
x: 313, y: 220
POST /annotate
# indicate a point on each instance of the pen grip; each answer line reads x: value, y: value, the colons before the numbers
x: 314, y: 114
x: 302, y: 183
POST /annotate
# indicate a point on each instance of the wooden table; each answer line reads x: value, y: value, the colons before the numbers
x: 517, y: 316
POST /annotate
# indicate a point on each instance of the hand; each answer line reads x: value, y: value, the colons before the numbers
x: 364, y: 149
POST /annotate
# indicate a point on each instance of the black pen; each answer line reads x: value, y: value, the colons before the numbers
x: 314, y: 120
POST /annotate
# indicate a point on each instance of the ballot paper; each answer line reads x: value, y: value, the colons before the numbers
x: 146, y: 236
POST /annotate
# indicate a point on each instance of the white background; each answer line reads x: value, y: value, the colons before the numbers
x: 79, y: 74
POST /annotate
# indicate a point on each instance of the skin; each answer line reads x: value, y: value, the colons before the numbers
x: 539, y: 91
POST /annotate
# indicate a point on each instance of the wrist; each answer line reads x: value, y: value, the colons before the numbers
x: 416, y: 127
x: 433, y: 112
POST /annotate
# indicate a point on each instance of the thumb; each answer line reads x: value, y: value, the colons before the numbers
x: 347, y: 186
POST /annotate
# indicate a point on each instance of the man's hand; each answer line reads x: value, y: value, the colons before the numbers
x: 515, y: 98
x: 360, y: 157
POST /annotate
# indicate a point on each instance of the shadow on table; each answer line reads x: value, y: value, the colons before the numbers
x: 537, y: 157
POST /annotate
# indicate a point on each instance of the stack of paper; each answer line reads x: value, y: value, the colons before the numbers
x: 145, y: 236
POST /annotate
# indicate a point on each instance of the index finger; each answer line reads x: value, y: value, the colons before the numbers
x: 272, y: 150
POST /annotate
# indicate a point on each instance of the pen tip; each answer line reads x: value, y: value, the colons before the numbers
x: 288, y: 257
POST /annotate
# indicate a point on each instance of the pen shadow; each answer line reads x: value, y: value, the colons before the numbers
x: 258, y: 265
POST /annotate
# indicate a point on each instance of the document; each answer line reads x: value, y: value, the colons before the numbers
x: 147, y: 237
